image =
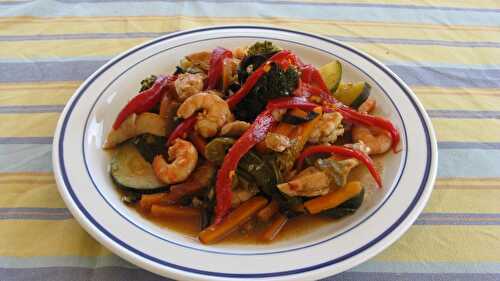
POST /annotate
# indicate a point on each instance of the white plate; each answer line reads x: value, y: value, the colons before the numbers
x: 80, y: 167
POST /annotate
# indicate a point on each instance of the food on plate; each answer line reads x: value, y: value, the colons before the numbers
x: 247, y: 141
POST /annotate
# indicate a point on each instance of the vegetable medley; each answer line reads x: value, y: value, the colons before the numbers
x: 253, y: 134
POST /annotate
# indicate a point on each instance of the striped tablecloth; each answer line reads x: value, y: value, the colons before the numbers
x: 447, y: 51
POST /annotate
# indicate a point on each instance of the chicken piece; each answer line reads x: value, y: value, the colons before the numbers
x: 309, y: 182
x: 200, y: 60
x: 328, y: 129
x: 277, y: 142
x: 188, y: 84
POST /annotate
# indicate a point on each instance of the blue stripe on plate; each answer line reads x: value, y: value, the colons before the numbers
x: 71, y: 70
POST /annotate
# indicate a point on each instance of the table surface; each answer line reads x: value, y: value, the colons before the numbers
x: 447, y: 51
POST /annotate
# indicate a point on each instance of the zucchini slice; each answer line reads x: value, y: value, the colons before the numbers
x: 331, y: 74
x: 353, y: 94
x: 297, y: 116
x: 132, y: 172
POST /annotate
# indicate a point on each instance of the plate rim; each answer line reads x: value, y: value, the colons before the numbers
x: 400, y: 226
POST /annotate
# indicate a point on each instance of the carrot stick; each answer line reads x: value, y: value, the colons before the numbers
x: 267, y: 212
x: 334, y: 198
x: 172, y: 211
x: 274, y: 228
x: 147, y: 200
x: 239, y: 216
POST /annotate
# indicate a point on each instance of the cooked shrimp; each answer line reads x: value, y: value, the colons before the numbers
x: 328, y: 129
x: 188, y: 84
x: 234, y: 129
x: 184, y: 157
x: 367, y: 106
x: 378, y: 140
x: 215, y: 113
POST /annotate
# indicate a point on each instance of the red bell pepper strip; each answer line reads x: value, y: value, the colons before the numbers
x: 217, y: 66
x: 145, y: 100
x: 182, y: 130
x: 283, y: 58
x: 344, y: 151
x: 311, y: 75
x: 253, y: 135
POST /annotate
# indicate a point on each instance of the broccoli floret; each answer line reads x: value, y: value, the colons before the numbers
x: 274, y: 84
x: 148, y: 83
x: 261, y: 48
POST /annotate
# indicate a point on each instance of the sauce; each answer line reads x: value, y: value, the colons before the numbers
x: 294, y: 227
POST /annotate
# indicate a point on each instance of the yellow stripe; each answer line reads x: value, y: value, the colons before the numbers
x: 472, y: 182
x: 28, y: 125
x: 51, y: 93
x: 464, y: 201
x: 55, y: 49
x: 74, y: 25
x: 29, y: 190
x: 467, y: 130
x: 445, y: 244
x: 484, y: 4
x: 454, y: 102
x: 423, y: 90
x: 60, y: 238
x: 436, y: 54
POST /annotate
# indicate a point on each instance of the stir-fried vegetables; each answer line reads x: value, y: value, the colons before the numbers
x: 247, y: 142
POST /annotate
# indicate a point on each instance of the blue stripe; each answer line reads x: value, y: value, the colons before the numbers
x: 31, y: 108
x: 71, y: 70
x: 469, y: 145
x: 350, y: 39
x: 63, y: 261
x: 343, y: 12
x: 26, y: 158
x: 35, y: 214
x: 61, y: 273
x: 468, y: 114
x: 427, y: 267
x: 26, y: 140
x: 468, y: 163
x: 291, y: 3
